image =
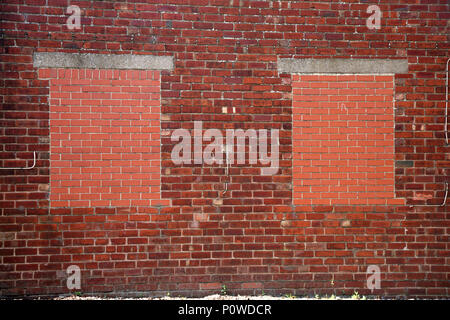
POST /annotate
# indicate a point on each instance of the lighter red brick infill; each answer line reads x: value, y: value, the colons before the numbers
x: 343, y: 140
x: 105, y: 137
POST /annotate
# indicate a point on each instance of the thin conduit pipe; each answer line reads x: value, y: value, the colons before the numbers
x: 446, y: 102
x: 446, y: 123
x: 24, y: 168
x: 446, y: 136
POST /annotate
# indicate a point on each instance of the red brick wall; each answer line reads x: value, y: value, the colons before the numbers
x: 104, y: 137
x: 254, y: 237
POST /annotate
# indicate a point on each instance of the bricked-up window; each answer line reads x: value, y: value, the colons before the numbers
x: 343, y: 140
x: 105, y: 137
x: 105, y: 142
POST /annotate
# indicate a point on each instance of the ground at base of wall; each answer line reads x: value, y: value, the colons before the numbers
x: 355, y: 296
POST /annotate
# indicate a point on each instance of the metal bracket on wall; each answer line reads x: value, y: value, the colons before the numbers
x: 24, y: 168
x: 446, y: 102
x: 228, y: 153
